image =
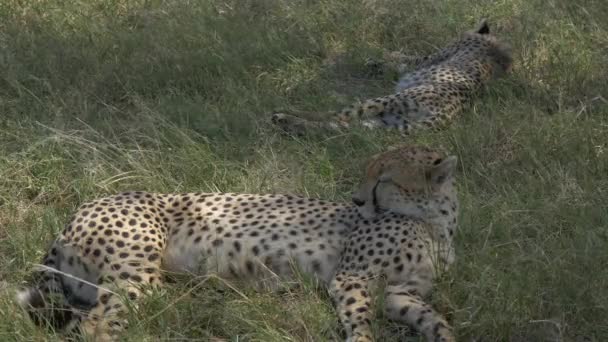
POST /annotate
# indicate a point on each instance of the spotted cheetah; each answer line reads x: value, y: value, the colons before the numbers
x: 440, y: 87
x: 397, y: 234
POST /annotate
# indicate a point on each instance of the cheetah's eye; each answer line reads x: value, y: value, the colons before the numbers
x: 438, y: 161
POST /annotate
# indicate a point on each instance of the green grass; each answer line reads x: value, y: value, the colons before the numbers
x: 101, y: 96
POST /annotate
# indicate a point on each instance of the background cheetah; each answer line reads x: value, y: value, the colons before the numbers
x: 400, y: 233
x: 428, y: 97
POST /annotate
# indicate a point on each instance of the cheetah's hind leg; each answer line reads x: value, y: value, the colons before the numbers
x: 60, y: 289
x: 106, y: 320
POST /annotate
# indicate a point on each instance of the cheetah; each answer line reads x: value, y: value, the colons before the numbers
x: 429, y: 97
x: 396, y: 235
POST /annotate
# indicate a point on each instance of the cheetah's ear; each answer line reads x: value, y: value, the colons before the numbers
x: 483, y: 27
x: 443, y: 171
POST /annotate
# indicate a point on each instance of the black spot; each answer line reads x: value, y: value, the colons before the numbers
x: 249, y: 266
x: 104, y: 298
x: 316, y: 266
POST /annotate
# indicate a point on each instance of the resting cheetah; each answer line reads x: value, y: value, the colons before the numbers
x: 396, y: 234
x: 430, y: 96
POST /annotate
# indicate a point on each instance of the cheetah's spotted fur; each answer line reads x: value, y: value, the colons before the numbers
x: 430, y: 96
x: 399, y: 230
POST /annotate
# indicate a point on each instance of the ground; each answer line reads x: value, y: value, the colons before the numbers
x: 98, y: 97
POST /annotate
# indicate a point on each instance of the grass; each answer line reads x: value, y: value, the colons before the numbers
x: 101, y: 96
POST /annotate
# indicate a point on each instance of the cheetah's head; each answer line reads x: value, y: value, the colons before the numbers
x: 412, y: 180
x: 499, y: 52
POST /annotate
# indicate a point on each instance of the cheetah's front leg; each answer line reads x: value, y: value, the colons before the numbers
x: 299, y: 125
x: 404, y: 305
x: 391, y: 62
x: 353, y: 303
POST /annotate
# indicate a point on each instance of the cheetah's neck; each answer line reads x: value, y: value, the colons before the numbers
x: 444, y: 223
x: 441, y: 230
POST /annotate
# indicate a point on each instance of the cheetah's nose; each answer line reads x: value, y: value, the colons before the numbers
x: 358, y: 202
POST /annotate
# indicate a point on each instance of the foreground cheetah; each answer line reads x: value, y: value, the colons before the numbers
x: 397, y: 234
x: 430, y: 96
